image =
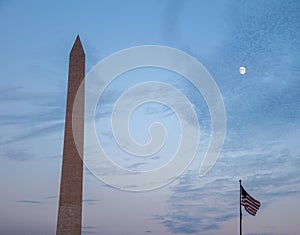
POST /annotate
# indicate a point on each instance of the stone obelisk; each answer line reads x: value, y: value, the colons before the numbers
x: 70, y: 199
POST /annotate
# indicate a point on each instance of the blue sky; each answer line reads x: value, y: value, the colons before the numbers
x: 262, y: 108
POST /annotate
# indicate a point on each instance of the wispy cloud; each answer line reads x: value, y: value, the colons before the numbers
x: 88, y: 229
x: 173, y: 11
x: 5, y: 90
x: 29, y: 202
x: 17, y: 154
x: 51, y: 197
x: 30, y: 110
x: 90, y: 201
x: 39, y: 131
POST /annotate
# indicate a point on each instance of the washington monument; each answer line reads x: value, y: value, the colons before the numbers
x: 70, y: 199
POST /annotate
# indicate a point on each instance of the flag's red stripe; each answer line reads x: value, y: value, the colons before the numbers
x: 247, y: 202
x: 253, y: 200
x: 256, y: 203
x: 251, y: 207
x: 250, y: 211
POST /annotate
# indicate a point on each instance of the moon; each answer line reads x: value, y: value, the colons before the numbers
x: 242, y: 70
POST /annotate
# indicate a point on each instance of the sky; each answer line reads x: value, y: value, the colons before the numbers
x: 262, y: 115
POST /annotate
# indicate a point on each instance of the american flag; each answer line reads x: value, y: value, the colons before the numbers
x: 251, y: 205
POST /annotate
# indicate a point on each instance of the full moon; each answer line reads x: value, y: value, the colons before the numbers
x: 242, y: 70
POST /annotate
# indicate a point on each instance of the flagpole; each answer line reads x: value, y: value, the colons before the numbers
x: 241, y: 207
